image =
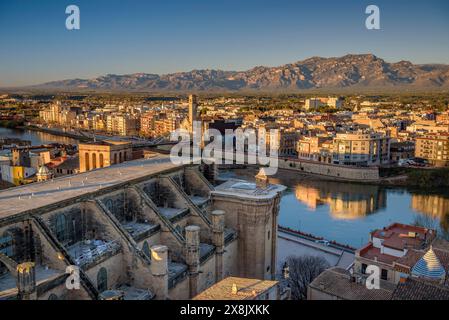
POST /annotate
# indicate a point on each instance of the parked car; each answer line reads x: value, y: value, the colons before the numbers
x: 324, y: 242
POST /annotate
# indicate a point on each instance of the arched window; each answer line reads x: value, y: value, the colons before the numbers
x: 115, y: 158
x: 94, y: 161
x: 120, y: 157
x: 86, y: 161
x: 102, y: 280
x: 124, y: 156
x: 7, y: 244
x: 61, y: 227
x: 146, y: 249
x: 101, y: 160
x: 53, y: 297
x: 110, y: 205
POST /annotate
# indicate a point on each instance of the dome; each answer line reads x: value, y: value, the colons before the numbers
x: 429, y: 267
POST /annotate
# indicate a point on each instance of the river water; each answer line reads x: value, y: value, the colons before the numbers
x: 37, y: 138
x: 347, y: 212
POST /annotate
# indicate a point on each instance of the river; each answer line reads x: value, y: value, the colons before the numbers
x: 36, y: 137
x: 347, y: 212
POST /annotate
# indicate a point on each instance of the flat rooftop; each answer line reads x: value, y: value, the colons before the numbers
x: 246, y: 289
x: 400, y: 236
x: 36, y: 195
x: 245, y: 189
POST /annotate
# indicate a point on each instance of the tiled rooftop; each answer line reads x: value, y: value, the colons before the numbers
x: 416, y: 289
x: 337, y: 282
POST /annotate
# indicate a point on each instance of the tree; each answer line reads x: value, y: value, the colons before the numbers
x: 302, y: 270
x: 429, y: 222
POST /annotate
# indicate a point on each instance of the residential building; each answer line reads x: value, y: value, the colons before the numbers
x: 434, y: 148
x: 389, y: 247
x: 361, y: 148
x: 123, y: 124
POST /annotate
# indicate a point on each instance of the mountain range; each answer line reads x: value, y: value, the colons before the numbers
x: 353, y: 71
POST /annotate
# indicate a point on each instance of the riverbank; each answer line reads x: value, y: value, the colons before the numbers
x: 56, y: 132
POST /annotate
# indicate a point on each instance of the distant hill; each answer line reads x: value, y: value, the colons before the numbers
x: 353, y: 71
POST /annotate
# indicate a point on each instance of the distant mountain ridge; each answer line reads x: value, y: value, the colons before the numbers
x: 350, y: 71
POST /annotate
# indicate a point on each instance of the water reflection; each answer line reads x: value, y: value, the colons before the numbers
x: 36, y: 137
x: 345, y: 201
x: 348, y: 212
x: 432, y: 208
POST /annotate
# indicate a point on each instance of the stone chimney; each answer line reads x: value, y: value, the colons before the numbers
x: 26, y: 281
x: 159, y: 269
x: 193, y: 257
x: 218, y: 218
x: 261, y: 179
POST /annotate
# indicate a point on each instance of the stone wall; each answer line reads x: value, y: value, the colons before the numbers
x: 330, y: 170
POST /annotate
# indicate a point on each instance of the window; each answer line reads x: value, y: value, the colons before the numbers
x: 86, y: 161
x: 94, y: 161
x: 146, y: 249
x: 364, y: 266
x: 384, y: 274
x: 7, y: 244
x: 53, y: 297
x: 110, y: 205
x: 102, y: 280
x: 61, y: 227
x: 101, y: 160
x: 268, y: 235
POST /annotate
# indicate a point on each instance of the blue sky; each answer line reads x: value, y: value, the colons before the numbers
x: 156, y: 36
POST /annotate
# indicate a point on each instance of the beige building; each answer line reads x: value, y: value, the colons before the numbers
x: 193, y: 109
x: 57, y: 113
x: 122, y: 124
x: 317, y: 148
x: 102, y: 154
x: 363, y: 148
x: 434, y: 148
